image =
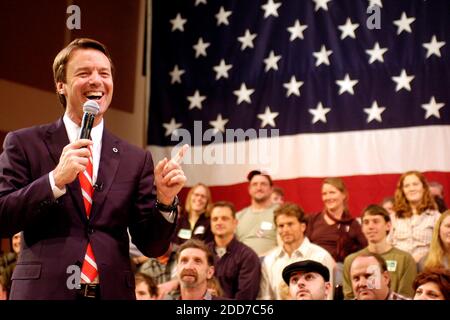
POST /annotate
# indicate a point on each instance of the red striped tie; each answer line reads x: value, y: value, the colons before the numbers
x: 89, y: 268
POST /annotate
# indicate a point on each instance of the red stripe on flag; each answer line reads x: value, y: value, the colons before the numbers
x: 363, y: 190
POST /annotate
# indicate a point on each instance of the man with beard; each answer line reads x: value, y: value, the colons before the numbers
x: 255, y: 228
x: 290, y: 221
x: 370, y: 278
x: 307, y: 280
x: 195, y: 268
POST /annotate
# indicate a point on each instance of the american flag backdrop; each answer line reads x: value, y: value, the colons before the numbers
x: 355, y: 88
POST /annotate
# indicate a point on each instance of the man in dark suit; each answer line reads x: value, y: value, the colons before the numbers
x: 40, y: 192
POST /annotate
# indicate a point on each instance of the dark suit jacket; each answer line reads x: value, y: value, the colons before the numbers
x: 56, y: 232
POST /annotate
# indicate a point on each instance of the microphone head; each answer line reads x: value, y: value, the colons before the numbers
x: 91, y: 107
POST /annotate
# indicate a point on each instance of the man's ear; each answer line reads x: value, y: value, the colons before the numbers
x: 210, y: 272
x: 60, y: 88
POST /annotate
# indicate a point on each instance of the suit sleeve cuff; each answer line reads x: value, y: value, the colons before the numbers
x: 57, y: 192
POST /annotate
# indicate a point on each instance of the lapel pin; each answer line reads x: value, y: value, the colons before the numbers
x: 115, y: 150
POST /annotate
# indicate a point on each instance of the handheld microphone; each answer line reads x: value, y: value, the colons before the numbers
x: 90, y: 109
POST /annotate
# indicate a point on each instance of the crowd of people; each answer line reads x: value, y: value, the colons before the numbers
x: 272, y: 250
x: 398, y: 249
x: 73, y: 202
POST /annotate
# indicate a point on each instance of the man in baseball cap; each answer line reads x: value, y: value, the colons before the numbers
x: 307, y: 280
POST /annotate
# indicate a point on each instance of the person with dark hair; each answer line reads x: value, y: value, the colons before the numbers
x: 195, y: 268
x: 432, y: 284
x: 75, y: 198
x: 376, y: 224
x: 193, y: 222
x: 3, y: 285
x: 146, y: 288
x: 370, y: 278
x: 437, y: 192
x: 277, y: 195
x: 307, y: 280
x: 8, y: 261
x: 237, y: 267
x: 291, y: 222
x: 388, y: 204
x: 256, y: 228
x: 415, y: 215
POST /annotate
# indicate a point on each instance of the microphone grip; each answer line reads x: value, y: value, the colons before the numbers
x: 86, y: 125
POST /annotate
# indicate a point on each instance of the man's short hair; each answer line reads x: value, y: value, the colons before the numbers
x: 63, y: 57
x: 152, y: 286
x: 376, y: 210
x: 381, y: 261
x: 292, y: 210
x: 226, y: 204
x: 253, y: 173
x: 197, y: 244
x: 278, y: 191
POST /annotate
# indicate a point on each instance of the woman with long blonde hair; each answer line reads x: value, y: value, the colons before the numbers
x: 194, y: 220
x: 439, y: 254
x: 415, y: 215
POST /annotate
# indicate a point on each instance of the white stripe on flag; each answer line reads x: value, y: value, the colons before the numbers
x: 369, y: 152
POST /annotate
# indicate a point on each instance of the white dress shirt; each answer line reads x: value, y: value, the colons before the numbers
x: 272, y: 285
x: 73, y: 130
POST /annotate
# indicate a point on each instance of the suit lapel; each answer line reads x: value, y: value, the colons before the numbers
x: 109, y: 163
x: 56, y: 140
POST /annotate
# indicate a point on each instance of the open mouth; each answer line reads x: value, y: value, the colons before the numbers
x: 94, y: 95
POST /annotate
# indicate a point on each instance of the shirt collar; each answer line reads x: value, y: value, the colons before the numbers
x: 299, y: 252
x: 73, y: 130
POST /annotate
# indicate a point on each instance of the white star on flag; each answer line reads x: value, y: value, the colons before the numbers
x: 293, y: 87
x: 247, y: 40
x: 222, y: 16
x: 321, y: 4
x: 200, y: 47
x: 403, y: 81
x: 222, y: 69
x: 348, y: 29
x: 433, y: 47
x: 272, y: 61
x: 197, y: 2
x: 322, y: 56
x: 178, y: 23
x: 171, y: 127
x: 270, y: 8
x: 176, y: 74
x: 376, y: 54
x: 296, y: 30
x: 403, y: 24
x: 196, y: 100
x: 432, y: 108
x: 319, y: 113
x: 374, y: 112
x: 243, y: 94
x: 346, y: 84
x: 268, y: 117
x: 219, y: 124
